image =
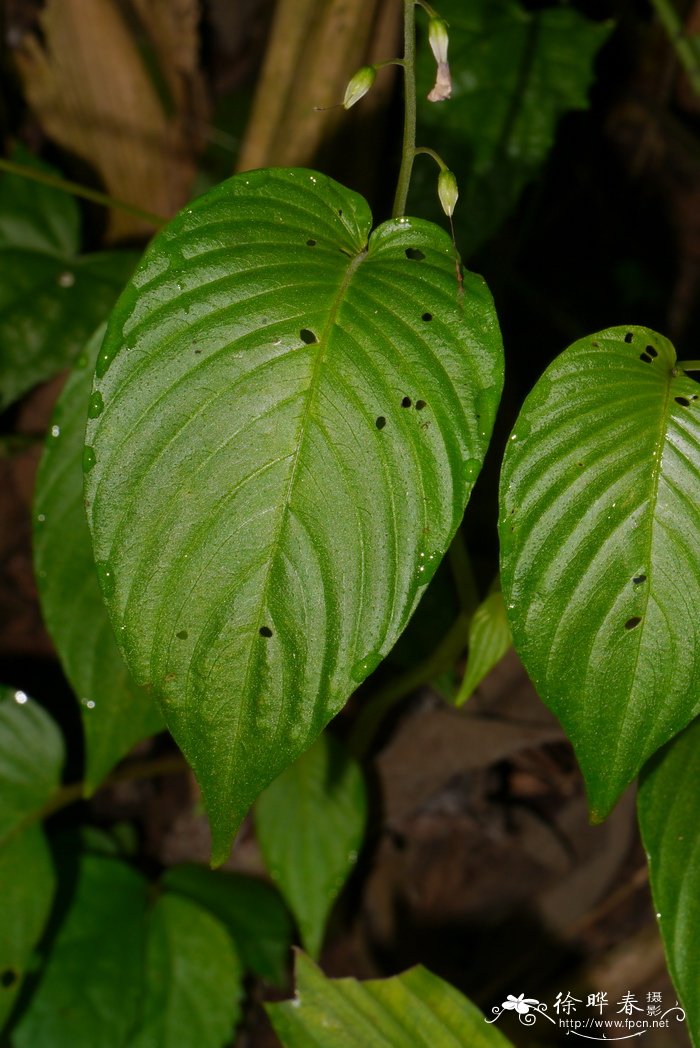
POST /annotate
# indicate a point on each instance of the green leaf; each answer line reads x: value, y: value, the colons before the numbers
x: 51, y: 298
x: 31, y: 760
x: 193, y: 980
x: 27, y: 884
x: 310, y: 824
x: 599, y: 528
x: 89, y: 990
x: 413, y: 1010
x: 514, y: 74
x: 669, y: 819
x: 489, y: 640
x: 114, y: 711
x: 265, y: 512
x: 256, y: 918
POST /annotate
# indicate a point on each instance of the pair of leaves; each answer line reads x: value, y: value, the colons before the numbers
x: 271, y: 379
x: 51, y: 297
x: 122, y: 973
x: 115, y: 713
x: 31, y: 759
x: 412, y: 1010
x: 515, y: 73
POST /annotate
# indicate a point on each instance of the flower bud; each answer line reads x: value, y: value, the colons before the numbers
x: 359, y: 85
x: 447, y: 191
x: 438, y: 39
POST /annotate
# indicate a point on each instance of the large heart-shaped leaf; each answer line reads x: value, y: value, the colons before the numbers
x: 51, y: 297
x: 669, y: 818
x: 115, y: 713
x: 600, y: 527
x: 413, y: 1010
x: 294, y: 414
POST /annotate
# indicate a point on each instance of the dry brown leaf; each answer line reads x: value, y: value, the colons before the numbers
x: 89, y: 87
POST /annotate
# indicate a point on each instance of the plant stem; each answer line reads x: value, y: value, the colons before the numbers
x: 431, y: 152
x: 463, y: 575
x: 408, y: 150
x: 686, y: 47
x: 75, y: 189
x: 75, y: 791
x: 445, y: 655
x: 688, y: 365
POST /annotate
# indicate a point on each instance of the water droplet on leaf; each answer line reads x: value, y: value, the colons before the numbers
x: 96, y: 405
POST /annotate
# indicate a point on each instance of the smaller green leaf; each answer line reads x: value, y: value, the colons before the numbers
x: 599, y: 529
x: 35, y: 216
x: 669, y: 820
x: 51, y: 298
x: 489, y: 640
x: 310, y: 824
x: 193, y: 980
x: 31, y: 760
x: 256, y: 918
x: 27, y: 883
x: 115, y: 712
x: 89, y: 990
x: 413, y: 1010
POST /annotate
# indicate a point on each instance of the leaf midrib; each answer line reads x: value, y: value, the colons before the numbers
x: 300, y: 438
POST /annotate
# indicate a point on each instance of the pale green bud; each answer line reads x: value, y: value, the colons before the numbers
x: 359, y: 85
x: 438, y: 38
x: 447, y: 191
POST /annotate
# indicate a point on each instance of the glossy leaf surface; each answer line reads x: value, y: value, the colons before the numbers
x: 310, y: 824
x: 114, y: 711
x: 599, y: 528
x: 251, y: 910
x: 31, y: 760
x: 192, y: 984
x: 51, y: 297
x: 27, y: 883
x: 413, y: 1010
x: 515, y: 73
x: 89, y: 990
x: 294, y: 414
x: 669, y: 818
x: 489, y: 640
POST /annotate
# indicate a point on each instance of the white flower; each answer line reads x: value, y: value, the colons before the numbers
x: 521, y: 1004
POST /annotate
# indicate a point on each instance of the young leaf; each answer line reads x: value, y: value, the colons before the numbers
x: 515, y: 73
x: 412, y: 1010
x: 251, y: 910
x: 310, y: 824
x: 669, y: 819
x: 294, y: 416
x: 89, y: 990
x: 193, y: 980
x: 599, y: 528
x: 27, y: 884
x: 51, y: 298
x: 114, y: 711
x: 31, y: 760
x: 489, y: 640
